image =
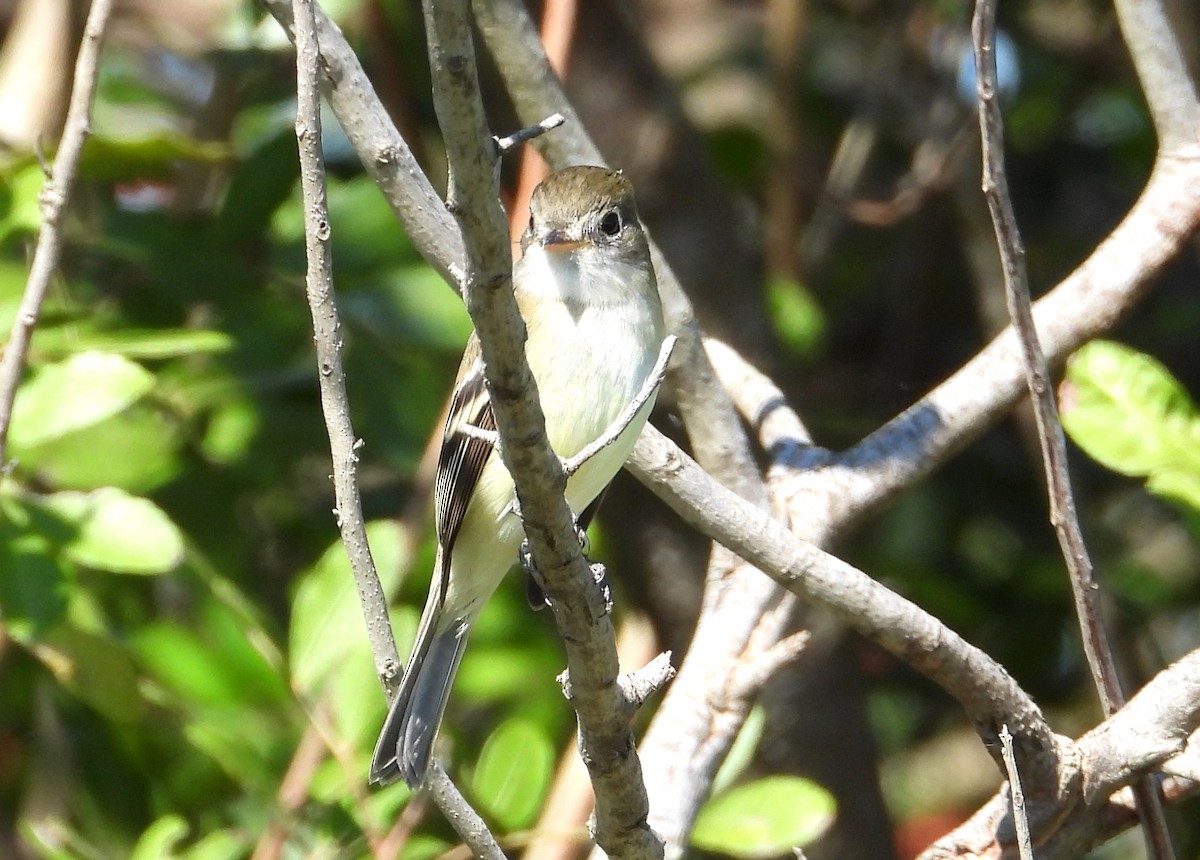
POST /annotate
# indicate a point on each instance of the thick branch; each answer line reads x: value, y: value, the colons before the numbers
x: 1167, y: 83
x: 1147, y: 734
x: 985, y: 690
x: 698, y: 719
x: 604, y: 710
x: 1087, y: 303
x: 54, y: 198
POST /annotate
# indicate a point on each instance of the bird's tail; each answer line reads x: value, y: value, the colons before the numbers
x: 403, y: 748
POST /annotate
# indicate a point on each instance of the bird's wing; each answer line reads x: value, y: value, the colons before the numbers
x: 463, y: 456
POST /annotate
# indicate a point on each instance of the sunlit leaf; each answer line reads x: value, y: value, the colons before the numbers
x: 100, y: 455
x: 327, y: 620
x: 76, y: 393
x: 798, y: 319
x: 145, y: 344
x: 211, y: 662
x: 424, y: 847
x: 1181, y: 486
x: 764, y: 818
x: 1129, y: 413
x: 118, y: 532
x: 22, y: 188
x: 227, y: 844
x: 513, y: 773
x: 160, y: 839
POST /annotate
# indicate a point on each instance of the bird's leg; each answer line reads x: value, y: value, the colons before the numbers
x: 535, y: 594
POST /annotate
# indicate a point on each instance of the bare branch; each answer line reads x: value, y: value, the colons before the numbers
x: 606, y: 739
x: 466, y: 822
x: 336, y: 407
x: 383, y: 152
x: 1088, y: 302
x: 54, y: 198
x: 510, y: 142
x: 1024, y: 843
x: 1167, y: 81
x: 758, y: 399
x: 1050, y: 433
x: 985, y: 690
x: 687, y: 740
x: 327, y: 336
x: 1148, y: 733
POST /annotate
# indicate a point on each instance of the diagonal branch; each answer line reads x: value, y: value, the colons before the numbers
x: 384, y: 154
x: 986, y: 691
x: 54, y: 198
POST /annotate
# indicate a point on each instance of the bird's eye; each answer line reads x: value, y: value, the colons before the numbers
x: 610, y: 224
x: 530, y: 223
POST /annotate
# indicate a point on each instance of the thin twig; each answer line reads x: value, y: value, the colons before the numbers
x: 1050, y: 433
x: 343, y: 443
x: 1024, y: 844
x: 54, y: 197
x: 573, y: 464
x: 467, y: 823
x: 508, y: 143
x: 335, y: 405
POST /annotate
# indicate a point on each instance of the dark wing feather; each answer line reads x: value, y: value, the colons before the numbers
x: 462, y: 458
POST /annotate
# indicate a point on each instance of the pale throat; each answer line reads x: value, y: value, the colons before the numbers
x: 593, y: 275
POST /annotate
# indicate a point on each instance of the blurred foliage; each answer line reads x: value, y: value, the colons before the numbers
x: 177, y: 618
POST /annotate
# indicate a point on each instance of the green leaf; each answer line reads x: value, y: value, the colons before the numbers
x: 160, y: 839
x: 1126, y: 410
x: 99, y: 455
x: 1181, y: 486
x: 227, y: 844
x: 798, y: 319
x: 327, y: 620
x: 82, y: 391
x: 34, y: 586
x: 118, y: 532
x: 513, y: 773
x: 1129, y: 413
x: 154, y: 156
x: 214, y: 662
x: 146, y: 344
x: 95, y: 668
x: 22, y: 187
x: 764, y: 818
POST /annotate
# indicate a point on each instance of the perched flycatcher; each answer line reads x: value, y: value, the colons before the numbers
x: 586, y: 289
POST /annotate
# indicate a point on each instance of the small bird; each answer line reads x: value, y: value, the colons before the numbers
x: 585, y: 287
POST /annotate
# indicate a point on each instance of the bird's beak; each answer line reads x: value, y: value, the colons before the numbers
x: 559, y: 242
